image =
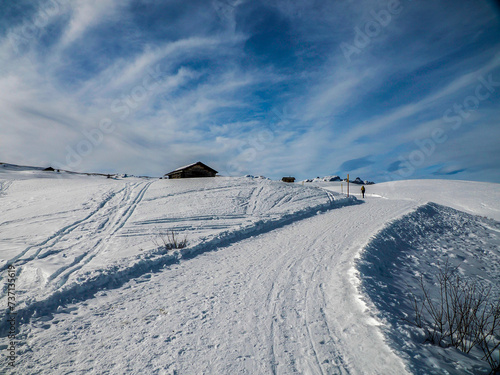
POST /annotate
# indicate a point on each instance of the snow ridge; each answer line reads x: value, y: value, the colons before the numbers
x: 417, y: 244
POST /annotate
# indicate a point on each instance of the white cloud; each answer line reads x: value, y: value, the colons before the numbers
x: 433, y: 102
x: 85, y: 14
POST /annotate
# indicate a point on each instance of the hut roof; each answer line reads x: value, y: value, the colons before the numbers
x: 192, y: 165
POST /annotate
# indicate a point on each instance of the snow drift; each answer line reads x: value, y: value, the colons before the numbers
x: 419, y: 244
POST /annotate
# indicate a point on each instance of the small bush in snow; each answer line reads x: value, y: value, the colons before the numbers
x: 460, y: 313
x: 170, y: 241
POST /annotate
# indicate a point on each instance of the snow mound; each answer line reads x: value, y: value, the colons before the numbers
x: 477, y: 198
x: 419, y: 244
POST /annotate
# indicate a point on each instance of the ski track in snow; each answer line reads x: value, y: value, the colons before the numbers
x: 58, y: 236
x: 208, y: 315
x: 84, y: 238
x: 90, y: 236
x: 4, y: 186
x: 278, y: 296
x: 119, y: 214
x: 108, y: 217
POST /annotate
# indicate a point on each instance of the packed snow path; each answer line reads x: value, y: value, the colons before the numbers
x: 283, y: 302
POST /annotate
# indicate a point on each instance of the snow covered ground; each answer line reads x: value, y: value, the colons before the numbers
x: 276, y: 279
x: 428, y: 239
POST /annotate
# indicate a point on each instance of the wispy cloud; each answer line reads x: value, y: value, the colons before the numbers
x: 249, y: 86
x: 84, y: 15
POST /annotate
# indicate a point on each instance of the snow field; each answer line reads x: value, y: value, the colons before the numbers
x: 276, y: 303
x: 94, y: 233
x: 277, y: 279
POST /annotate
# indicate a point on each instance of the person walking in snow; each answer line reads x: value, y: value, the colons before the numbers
x: 363, y: 190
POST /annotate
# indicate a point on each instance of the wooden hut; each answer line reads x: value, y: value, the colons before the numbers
x: 288, y: 179
x: 192, y: 170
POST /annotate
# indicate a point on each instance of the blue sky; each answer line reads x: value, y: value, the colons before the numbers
x: 384, y: 90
